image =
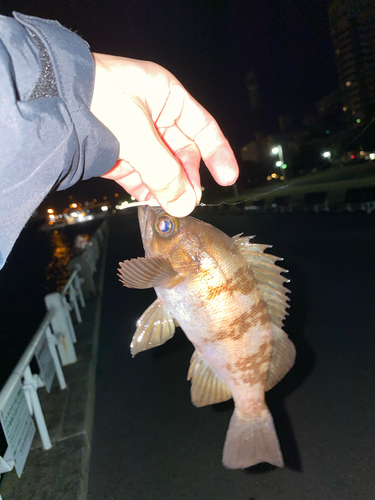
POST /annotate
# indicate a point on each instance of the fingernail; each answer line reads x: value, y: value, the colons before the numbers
x: 184, y: 205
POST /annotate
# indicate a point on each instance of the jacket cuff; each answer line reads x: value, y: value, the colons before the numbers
x: 74, y: 71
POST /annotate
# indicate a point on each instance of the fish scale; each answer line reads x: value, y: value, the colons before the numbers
x: 228, y: 297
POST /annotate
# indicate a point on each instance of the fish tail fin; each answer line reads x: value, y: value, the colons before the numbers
x: 251, y: 440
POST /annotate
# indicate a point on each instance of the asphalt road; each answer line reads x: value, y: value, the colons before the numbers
x: 151, y: 443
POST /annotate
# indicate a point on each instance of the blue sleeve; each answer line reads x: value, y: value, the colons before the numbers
x: 48, y: 137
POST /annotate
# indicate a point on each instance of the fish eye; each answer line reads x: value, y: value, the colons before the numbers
x: 165, y: 225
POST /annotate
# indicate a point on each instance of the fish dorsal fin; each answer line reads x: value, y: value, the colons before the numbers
x: 206, y: 387
x: 270, y: 282
x: 148, y: 272
x: 282, y: 357
x: 268, y: 276
x: 154, y: 328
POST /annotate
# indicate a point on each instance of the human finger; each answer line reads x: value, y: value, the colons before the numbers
x: 200, y: 127
x: 160, y: 171
x: 188, y: 154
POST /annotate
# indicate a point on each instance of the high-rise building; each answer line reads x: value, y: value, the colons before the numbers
x: 256, y: 110
x: 353, y: 34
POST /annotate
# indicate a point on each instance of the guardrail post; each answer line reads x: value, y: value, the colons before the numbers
x: 67, y: 308
x: 30, y: 386
x: 62, y: 326
x: 77, y: 283
x: 73, y: 301
x: 52, y: 342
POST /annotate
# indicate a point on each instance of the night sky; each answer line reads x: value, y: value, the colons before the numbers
x: 211, y: 45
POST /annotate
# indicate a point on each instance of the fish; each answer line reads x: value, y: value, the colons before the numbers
x: 228, y: 297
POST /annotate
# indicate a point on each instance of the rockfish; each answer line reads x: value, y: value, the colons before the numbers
x: 228, y: 297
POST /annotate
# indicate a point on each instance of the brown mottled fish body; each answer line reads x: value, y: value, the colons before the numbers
x: 216, y: 288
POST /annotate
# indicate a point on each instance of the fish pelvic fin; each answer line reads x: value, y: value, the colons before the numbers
x: 154, y: 328
x: 206, y: 387
x: 251, y: 440
x: 148, y: 272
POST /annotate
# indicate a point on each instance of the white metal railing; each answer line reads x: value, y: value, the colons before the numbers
x: 20, y: 393
x: 53, y: 347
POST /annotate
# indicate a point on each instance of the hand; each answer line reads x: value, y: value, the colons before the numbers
x: 163, y: 133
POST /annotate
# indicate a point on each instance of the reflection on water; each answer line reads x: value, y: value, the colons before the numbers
x: 57, y: 272
x: 63, y: 249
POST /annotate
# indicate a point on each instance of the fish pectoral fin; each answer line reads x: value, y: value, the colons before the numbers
x: 282, y: 357
x: 206, y: 387
x: 148, y: 272
x: 154, y: 328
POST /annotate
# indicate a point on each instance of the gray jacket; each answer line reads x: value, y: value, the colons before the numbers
x: 48, y: 137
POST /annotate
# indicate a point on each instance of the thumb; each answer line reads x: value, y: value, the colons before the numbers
x: 160, y: 171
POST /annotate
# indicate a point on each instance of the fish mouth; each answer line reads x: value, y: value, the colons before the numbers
x: 146, y: 217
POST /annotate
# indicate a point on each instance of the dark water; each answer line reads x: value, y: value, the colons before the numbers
x: 36, y: 266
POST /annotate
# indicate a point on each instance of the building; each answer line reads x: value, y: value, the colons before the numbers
x: 330, y: 105
x: 353, y: 35
x: 256, y: 111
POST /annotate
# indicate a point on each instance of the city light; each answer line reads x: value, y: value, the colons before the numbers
x: 73, y: 205
x: 372, y: 156
x: 278, y: 150
x: 50, y: 210
x: 104, y: 208
x: 327, y: 154
x: 358, y: 120
x: 123, y: 205
x: 274, y: 176
x: 132, y: 198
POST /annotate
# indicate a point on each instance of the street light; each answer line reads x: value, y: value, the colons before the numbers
x: 327, y: 154
x: 278, y: 150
